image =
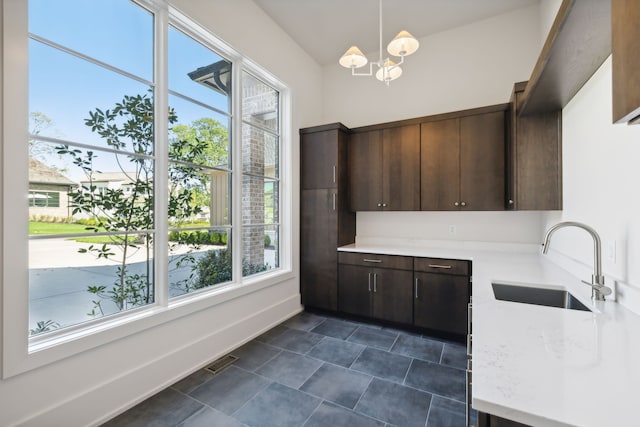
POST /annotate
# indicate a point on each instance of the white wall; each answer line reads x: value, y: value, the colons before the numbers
x: 85, y: 388
x: 601, y: 174
x: 467, y: 67
x: 548, y: 12
x: 471, y: 66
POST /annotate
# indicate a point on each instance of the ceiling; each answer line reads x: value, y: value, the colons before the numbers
x: 325, y: 29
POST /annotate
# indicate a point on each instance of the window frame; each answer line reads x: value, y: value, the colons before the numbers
x: 21, y: 353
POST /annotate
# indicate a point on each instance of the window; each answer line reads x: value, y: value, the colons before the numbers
x: 147, y: 201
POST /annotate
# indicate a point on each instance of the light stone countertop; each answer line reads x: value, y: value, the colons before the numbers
x: 543, y: 366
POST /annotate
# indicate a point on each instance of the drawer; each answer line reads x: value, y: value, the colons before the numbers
x: 442, y: 266
x: 375, y: 260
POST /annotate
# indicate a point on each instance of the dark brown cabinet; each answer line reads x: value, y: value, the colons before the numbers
x: 534, y: 158
x: 489, y: 420
x: 462, y: 163
x: 325, y: 221
x: 625, y: 33
x: 384, y: 166
x: 442, y: 291
x: 377, y: 286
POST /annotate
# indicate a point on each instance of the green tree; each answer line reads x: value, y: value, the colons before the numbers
x: 128, y: 126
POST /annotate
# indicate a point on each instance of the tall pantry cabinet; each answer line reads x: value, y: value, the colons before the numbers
x: 326, y: 222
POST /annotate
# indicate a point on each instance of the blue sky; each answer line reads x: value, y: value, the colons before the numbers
x: 116, y: 32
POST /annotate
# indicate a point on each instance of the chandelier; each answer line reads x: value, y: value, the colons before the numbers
x: 402, y: 45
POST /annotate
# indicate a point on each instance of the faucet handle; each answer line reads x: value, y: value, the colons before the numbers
x: 601, y: 288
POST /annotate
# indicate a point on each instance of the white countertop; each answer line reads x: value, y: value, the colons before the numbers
x: 544, y: 366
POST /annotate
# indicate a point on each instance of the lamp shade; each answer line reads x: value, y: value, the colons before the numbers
x: 403, y: 44
x: 389, y: 71
x: 353, y: 58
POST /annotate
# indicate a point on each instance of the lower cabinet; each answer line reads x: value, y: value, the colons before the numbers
x: 425, y: 292
x: 488, y: 420
x: 441, y: 294
x: 369, y: 287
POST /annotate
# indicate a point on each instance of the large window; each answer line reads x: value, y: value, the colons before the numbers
x: 149, y: 192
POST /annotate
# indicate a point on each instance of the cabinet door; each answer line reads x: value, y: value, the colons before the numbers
x: 365, y: 171
x: 319, y: 159
x: 354, y: 290
x: 625, y: 32
x: 401, y: 168
x: 318, y: 243
x: 482, y: 161
x: 392, y: 295
x: 440, y: 165
x: 440, y: 302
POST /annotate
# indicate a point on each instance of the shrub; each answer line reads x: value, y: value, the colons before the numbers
x: 267, y: 240
x: 215, y: 267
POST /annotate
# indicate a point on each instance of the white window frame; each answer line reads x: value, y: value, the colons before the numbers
x: 21, y: 353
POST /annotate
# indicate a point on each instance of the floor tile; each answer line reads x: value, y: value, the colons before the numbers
x: 278, y: 406
x: 418, y: 347
x: 167, y: 408
x: 437, y: 379
x: 290, y: 368
x: 378, y: 338
x: 446, y: 413
x: 304, y: 321
x: 378, y: 363
x: 295, y: 340
x: 230, y: 389
x: 335, y: 416
x: 335, y: 328
x: 394, y: 403
x: 207, y: 417
x: 336, y: 351
x: 455, y: 356
x: 193, y: 381
x: 339, y: 385
x: 254, y: 354
x: 272, y: 333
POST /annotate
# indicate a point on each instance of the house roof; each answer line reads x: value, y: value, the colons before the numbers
x: 42, y: 174
x: 125, y: 177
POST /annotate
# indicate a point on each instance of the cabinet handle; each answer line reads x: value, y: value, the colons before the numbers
x: 377, y: 261
x: 456, y: 204
x: 369, y: 282
x: 416, y: 288
x: 469, y: 314
x: 510, y: 201
x: 375, y: 282
x: 334, y: 174
x: 384, y: 205
x: 469, y: 345
x: 446, y: 267
x: 334, y: 201
x: 463, y: 204
x: 379, y: 205
x: 468, y: 396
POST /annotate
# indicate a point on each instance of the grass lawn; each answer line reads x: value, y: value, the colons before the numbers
x: 61, y: 228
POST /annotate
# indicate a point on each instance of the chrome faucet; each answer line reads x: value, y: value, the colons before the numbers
x: 598, y: 289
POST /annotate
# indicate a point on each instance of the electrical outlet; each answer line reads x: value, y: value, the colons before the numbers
x: 452, y: 230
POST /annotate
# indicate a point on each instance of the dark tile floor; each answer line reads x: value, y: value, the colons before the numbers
x: 320, y: 371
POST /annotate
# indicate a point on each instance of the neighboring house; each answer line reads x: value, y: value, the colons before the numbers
x: 48, y: 191
x: 111, y: 180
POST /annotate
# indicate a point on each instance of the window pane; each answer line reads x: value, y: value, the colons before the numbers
x: 110, y: 192
x: 116, y: 32
x: 262, y: 206
x: 64, y: 91
x: 259, y: 103
x: 198, y: 196
x: 198, y: 135
x: 72, y: 281
x: 262, y: 256
x: 197, y: 72
x: 198, y: 259
x: 259, y: 152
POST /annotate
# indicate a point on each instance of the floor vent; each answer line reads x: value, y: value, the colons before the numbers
x: 221, y: 363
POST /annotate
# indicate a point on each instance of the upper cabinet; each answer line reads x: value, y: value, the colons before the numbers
x: 319, y: 158
x: 534, y: 158
x: 625, y: 44
x: 462, y: 162
x: 384, y: 169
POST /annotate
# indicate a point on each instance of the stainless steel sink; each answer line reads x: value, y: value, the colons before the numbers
x: 537, y: 296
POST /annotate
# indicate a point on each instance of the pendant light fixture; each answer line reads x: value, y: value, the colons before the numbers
x: 402, y: 45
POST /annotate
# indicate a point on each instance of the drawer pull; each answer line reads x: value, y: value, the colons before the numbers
x: 469, y: 345
x: 377, y: 261
x: 369, y: 282
x: 375, y: 282
x: 416, y: 287
x: 446, y: 267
